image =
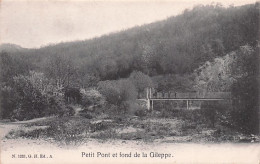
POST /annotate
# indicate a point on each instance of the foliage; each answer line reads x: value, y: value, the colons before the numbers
x: 62, y: 71
x: 31, y: 97
x: 9, y: 98
x: 140, y: 112
x: 140, y: 80
x: 117, y: 91
x: 213, y: 112
x: 245, y: 91
x: 92, y: 98
x: 31, y: 101
x: 88, y: 80
x: 216, y: 75
x: 236, y: 72
x: 174, y: 82
x: 11, y: 66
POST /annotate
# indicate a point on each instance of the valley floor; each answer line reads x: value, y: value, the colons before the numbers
x: 159, y: 135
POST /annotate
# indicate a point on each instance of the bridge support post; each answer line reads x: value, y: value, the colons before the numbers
x: 148, y: 104
x: 148, y: 99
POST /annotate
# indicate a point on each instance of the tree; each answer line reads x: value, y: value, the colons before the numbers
x: 40, y: 82
x: 9, y: 101
x: 92, y: 98
x: 30, y: 103
x: 245, y: 90
x: 62, y: 71
x: 236, y: 72
x: 216, y: 75
x: 214, y: 111
x: 174, y: 82
x: 89, y: 80
x: 107, y: 68
x: 11, y: 66
x: 30, y: 97
x: 118, y: 92
x: 7, y: 68
x: 72, y: 95
x: 140, y: 80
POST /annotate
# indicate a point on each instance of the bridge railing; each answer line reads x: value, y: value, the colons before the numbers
x: 152, y: 93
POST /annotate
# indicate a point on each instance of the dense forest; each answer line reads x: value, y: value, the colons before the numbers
x: 208, y: 48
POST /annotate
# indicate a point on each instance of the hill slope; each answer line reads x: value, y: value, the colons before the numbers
x: 177, y: 45
x: 10, y: 47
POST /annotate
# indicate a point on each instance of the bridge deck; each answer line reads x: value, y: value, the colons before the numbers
x: 185, y: 99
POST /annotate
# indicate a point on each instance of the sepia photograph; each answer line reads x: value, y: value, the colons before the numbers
x: 133, y: 81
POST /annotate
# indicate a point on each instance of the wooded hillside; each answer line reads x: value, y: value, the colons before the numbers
x: 177, y: 45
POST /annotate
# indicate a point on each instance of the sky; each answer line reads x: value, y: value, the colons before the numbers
x: 33, y: 24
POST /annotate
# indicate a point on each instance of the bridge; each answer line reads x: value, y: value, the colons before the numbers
x: 152, y: 95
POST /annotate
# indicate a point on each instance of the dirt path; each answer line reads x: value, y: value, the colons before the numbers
x: 6, y: 127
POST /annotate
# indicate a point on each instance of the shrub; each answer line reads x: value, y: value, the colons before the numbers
x: 72, y: 95
x: 86, y: 115
x: 118, y: 93
x: 140, y: 112
x: 66, y: 111
x: 30, y: 102
x: 213, y: 111
x: 140, y: 80
x: 137, y: 108
x: 8, y: 101
x: 25, y: 99
x: 92, y: 98
x: 245, y: 114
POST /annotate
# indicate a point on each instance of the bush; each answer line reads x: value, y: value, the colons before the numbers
x: 245, y: 114
x: 140, y: 80
x: 118, y: 93
x: 66, y: 111
x: 25, y: 99
x: 30, y: 102
x: 137, y: 108
x: 92, y: 98
x: 8, y: 101
x: 72, y: 95
x: 214, y: 111
x: 86, y: 115
x: 140, y: 112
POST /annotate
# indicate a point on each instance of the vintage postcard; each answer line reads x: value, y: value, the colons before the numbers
x: 163, y: 81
